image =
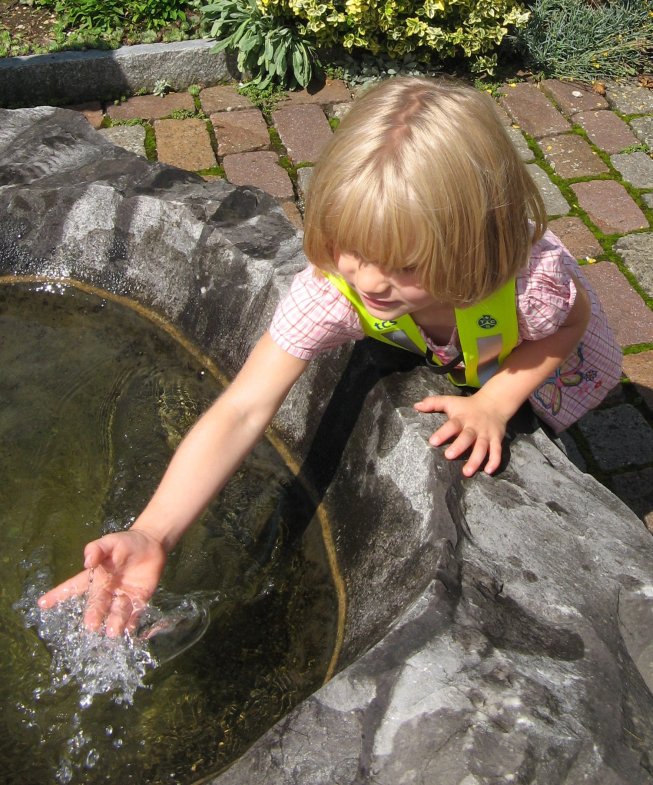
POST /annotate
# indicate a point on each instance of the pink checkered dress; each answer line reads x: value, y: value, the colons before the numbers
x: 314, y: 316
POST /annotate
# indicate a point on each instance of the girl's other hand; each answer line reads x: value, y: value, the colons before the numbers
x: 474, y: 423
x: 121, y: 573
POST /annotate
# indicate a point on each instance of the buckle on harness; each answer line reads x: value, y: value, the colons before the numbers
x: 437, y: 367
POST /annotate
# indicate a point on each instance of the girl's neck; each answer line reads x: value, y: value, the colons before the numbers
x: 438, y: 322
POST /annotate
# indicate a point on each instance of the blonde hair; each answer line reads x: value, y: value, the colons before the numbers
x: 421, y: 173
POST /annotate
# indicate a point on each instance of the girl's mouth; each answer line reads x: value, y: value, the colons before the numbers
x: 382, y: 304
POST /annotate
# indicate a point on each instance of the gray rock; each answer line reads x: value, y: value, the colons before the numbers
x: 637, y: 168
x: 637, y: 252
x: 524, y: 151
x: 619, y: 436
x: 129, y: 137
x: 497, y: 629
x: 73, y: 77
x: 628, y: 96
x: 554, y: 201
x: 643, y: 128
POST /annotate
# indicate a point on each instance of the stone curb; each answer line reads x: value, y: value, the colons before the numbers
x: 73, y: 77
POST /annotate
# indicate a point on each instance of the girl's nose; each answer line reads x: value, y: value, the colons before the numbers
x: 370, y: 279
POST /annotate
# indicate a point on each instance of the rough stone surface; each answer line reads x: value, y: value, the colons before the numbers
x: 524, y: 151
x: 131, y: 137
x: 576, y: 236
x: 304, y: 176
x: 497, y: 628
x: 71, y: 77
x: 240, y: 132
x: 92, y: 111
x: 260, y: 169
x: 609, y: 206
x: 627, y: 313
x: 637, y: 252
x: 339, y: 110
x: 636, y: 168
x: 571, y: 156
x: 333, y: 91
x: 573, y: 97
x: 637, y: 487
x: 554, y: 201
x: 639, y: 369
x: 628, y: 96
x: 643, y: 128
x: 648, y: 199
x: 532, y: 111
x: 606, y: 130
x: 151, y: 107
x: 223, y: 98
x: 618, y: 437
x: 184, y: 143
x: 304, y: 130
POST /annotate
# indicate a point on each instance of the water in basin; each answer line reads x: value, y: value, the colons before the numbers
x: 93, y: 400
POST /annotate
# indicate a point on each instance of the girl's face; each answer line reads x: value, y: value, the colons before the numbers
x: 387, y: 294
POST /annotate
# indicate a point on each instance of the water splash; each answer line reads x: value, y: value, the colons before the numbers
x: 96, y: 663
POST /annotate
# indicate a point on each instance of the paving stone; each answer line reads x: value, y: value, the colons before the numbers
x: 573, y: 97
x: 618, y: 437
x: 648, y: 199
x: 304, y: 176
x: 643, y: 128
x: 636, y: 168
x: 130, y: 137
x: 636, y: 250
x: 554, y: 201
x: 627, y: 313
x: 571, y: 156
x: 505, y: 118
x: 609, y: 206
x: 92, y: 111
x: 532, y: 111
x: 304, y: 130
x: 333, y: 91
x: 606, y: 130
x: 521, y: 145
x: 184, y: 143
x: 223, y: 98
x: 151, y: 107
x: 576, y: 237
x: 240, y: 132
x: 635, y: 489
x: 293, y: 215
x: 639, y: 369
x: 628, y: 96
x: 260, y: 169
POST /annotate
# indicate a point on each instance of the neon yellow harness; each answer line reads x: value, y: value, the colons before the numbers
x: 487, y: 331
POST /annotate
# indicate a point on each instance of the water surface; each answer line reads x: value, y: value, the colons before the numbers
x: 93, y: 400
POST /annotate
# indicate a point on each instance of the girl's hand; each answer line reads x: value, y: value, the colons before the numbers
x: 474, y: 422
x: 121, y: 574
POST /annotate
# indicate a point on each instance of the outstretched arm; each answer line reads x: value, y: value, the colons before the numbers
x: 121, y: 571
x: 479, y: 421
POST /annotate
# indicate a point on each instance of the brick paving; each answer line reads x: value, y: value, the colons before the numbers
x: 598, y: 192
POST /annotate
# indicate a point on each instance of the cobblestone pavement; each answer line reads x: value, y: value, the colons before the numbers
x: 590, y: 154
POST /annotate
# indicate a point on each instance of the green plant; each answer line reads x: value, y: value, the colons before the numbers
x: 265, y: 98
x: 105, y: 16
x: 161, y: 88
x: 582, y: 40
x: 270, y: 49
x: 426, y: 31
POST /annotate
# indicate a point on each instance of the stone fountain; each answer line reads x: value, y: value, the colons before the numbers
x: 493, y: 630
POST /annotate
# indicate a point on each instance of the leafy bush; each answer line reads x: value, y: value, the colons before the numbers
x: 576, y: 39
x: 431, y: 30
x: 270, y: 49
x: 108, y: 15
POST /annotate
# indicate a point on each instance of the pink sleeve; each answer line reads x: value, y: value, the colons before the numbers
x: 545, y: 289
x: 313, y: 317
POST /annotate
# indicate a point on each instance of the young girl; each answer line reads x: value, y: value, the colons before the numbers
x: 424, y: 230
